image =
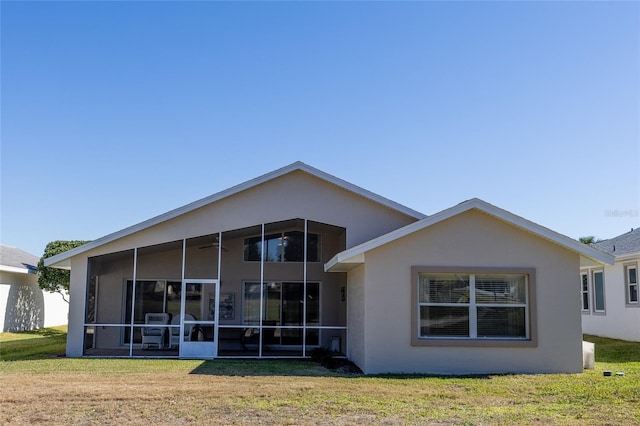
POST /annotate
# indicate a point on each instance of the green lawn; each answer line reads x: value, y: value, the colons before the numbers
x: 615, y: 351
x: 42, y: 343
x: 125, y: 391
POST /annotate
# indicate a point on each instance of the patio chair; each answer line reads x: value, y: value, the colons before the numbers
x: 175, y: 331
x: 155, y: 330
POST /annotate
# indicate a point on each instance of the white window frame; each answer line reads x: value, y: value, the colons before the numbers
x: 628, y: 267
x: 530, y: 339
x: 595, y: 292
x: 584, y: 291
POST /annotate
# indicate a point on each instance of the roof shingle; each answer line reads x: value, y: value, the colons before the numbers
x: 622, y: 244
x: 16, y: 258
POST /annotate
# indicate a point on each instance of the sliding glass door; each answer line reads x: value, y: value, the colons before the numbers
x: 287, y: 309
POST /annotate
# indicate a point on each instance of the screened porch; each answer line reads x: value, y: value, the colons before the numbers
x: 254, y: 292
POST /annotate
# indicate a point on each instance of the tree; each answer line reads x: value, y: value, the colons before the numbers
x: 588, y: 239
x: 52, y: 279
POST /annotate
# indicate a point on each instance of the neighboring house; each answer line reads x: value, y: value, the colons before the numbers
x: 298, y: 259
x: 610, y: 293
x: 23, y: 305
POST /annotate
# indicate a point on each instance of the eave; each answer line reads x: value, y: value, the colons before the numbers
x: 349, y: 259
x: 63, y: 260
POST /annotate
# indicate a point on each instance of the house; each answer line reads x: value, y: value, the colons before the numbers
x: 298, y: 259
x: 610, y: 305
x: 23, y: 305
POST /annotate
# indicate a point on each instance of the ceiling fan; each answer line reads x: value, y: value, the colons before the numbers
x: 212, y: 245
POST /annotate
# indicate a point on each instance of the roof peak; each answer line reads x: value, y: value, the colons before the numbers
x: 252, y: 183
x: 352, y: 256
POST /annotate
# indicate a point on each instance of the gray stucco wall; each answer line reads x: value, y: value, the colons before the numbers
x: 296, y: 195
x: 472, y: 239
x: 356, y: 315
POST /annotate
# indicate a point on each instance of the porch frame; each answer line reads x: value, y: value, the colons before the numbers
x: 217, y: 326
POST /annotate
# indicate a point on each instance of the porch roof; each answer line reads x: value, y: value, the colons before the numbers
x: 63, y: 260
x: 349, y: 259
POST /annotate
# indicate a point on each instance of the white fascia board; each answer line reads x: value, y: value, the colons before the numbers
x: 58, y: 261
x: 357, y: 252
x: 627, y: 256
x: 16, y: 270
x: 62, y: 264
x: 342, y: 263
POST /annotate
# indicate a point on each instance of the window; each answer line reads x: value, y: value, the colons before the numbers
x: 283, y: 305
x: 584, y: 280
x: 598, y: 291
x: 631, y: 277
x: 491, y: 305
x: 283, y: 247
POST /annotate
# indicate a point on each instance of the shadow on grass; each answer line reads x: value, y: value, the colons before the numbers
x: 42, y: 332
x: 262, y: 367
x: 35, y: 348
x: 304, y: 368
x: 400, y: 376
x: 46, y: 332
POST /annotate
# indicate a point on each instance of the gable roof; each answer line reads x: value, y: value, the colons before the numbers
x: 622, y: 245
x: 15, y: 260
x: 62, y: 260
x: 354, y: 256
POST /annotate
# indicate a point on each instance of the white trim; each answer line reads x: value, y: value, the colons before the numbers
x: 216, y: 327
x: 182, y: 312
x: 627, y: 256
x: 133, y: 299
x: 206, y: 349
x: 628, y: 267
x: 354, y: 256
x: 472, y: 305
x: 304, y: 294
x: 583, y: 291
x: 473, y: 308
x: 62, y: 260
x: 17, y: 270
x: 261, y: 308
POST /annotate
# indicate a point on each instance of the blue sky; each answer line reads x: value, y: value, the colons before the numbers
x: 115, y: 112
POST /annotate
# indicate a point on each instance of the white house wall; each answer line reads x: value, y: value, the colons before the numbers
x: 472, y: 239
x: 24, y: 306
x: 619, y: 321
x: 56, y: 310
